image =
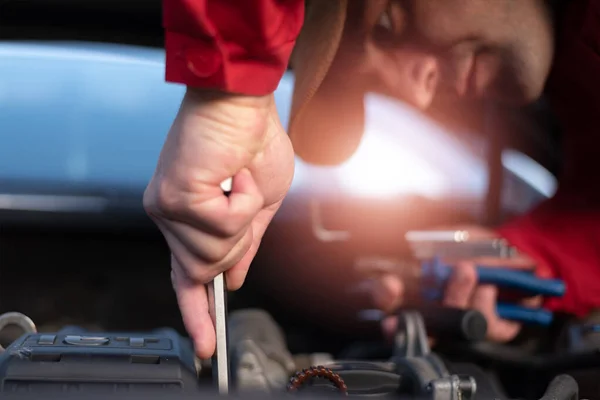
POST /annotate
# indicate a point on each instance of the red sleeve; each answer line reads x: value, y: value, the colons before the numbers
x: 563, y: 234
x: 238, y: 46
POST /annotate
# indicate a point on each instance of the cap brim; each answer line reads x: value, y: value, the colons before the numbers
x: 311, y: 119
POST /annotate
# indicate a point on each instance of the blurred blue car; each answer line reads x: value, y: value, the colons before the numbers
x: 81, y: 127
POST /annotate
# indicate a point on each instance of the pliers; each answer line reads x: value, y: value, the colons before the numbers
x: 434, y: 275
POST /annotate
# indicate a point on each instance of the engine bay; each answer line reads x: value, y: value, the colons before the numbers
x: 269, y: 343
x: 162, y: 362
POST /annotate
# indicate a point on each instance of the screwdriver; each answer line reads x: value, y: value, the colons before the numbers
x: 220, y: 360
x: 217, y: 290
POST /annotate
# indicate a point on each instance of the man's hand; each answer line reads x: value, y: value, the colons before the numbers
x: 462, y: 291
x: 216, y: 136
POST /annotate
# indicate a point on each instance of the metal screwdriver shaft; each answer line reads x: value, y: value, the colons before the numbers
x: 220, y: 361
x: 218, y: 292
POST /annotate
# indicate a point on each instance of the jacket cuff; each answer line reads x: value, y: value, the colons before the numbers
x: 204, y: 63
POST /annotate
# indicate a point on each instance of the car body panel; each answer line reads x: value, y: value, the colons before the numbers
x: 87, y: 121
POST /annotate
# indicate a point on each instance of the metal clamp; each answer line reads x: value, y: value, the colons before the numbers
x: 17, y: 319
x: 411, y: 337
x: 453, y: 387
x: 414, y: 360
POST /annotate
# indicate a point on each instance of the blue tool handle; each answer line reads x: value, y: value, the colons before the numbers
x: 437, y: 274
x: 531, y: 316
x: 521, y: 280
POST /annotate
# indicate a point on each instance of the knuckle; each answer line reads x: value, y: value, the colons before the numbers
x: 231, y: 226
x: 465, y: 275
x: 217, y: 252
x: 186, y: 268
x: 149, y: 199
x: 199, y: 274
x: 239, y: 220
x: 165, y: 200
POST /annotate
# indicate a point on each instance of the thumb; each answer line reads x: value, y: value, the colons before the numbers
x: 499, y: 330
x: 230, y: 215
x: 245, y: 198
x: 237, y: 274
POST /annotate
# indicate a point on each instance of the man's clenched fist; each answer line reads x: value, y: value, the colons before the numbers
x: 216, y: 136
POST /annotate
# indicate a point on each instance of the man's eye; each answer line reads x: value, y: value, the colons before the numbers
x: 385, y: 21
x: 384, y: 32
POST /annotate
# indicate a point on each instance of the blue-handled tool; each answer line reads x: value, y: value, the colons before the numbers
x: 532, y: 316
x: 435, y: 274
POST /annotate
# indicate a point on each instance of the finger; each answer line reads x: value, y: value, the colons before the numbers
x: 388, y: 327
x: 461, y: 286
x: 387, y: 292
x: 206, y: 247
x: 198, y: 270
x: 207, y: 208
x: 533, y: 302
x: 230, y: 214
x: 193, y: 303
x: 485, y: 301
x: 236, y: 275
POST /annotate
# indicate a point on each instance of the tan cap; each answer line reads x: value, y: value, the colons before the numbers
x: 313, y: 56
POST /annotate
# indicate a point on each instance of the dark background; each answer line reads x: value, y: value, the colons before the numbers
x: 135, y: 22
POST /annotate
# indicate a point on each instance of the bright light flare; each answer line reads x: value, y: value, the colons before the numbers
x: 399, y: 154
x: 382, y: 167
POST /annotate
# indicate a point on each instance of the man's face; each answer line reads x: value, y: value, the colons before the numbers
x: 497, y: 49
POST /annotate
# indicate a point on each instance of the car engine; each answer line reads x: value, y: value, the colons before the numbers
x: 161, y: 362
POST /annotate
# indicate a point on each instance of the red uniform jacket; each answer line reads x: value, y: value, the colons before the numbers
x: 563, y: 234
x: 243, y: 46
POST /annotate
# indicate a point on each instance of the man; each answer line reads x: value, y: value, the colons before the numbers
x: 231, y: 55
